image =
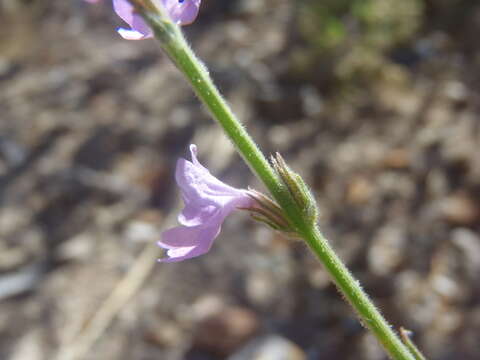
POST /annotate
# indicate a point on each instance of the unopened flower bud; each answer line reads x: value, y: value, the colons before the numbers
x: 297, y: 188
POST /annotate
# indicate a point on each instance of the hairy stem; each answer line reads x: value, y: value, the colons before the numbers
x: 173, y: 42
x: 369, y: 315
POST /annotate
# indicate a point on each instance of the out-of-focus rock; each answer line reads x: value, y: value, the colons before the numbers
x: 223, y: 332
x: 21, y: 281
x: 359, y: 191
x: 80, y: 247
x: 29, y: 347
x: 469, y: 243
x: 445, y: 279
x: 260, y: 288
x: 446, y: 286
x: 456, y: 91
x: 27, y: 245
x: 165, y: 334
x: 398, y: 159
x: 459, y: 209
x: 312, y: 101
x: 371, y: 349
x: 141, y: 231
x: 13, y: 218
x: 387, y: 250
x: 206, y: 306
x: 271, y: 347
x: 450, y: 321
x: 250, y: 7
x: 271, y: 271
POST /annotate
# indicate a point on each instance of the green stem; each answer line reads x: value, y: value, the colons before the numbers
x: 405, y: 335
x: 353, y: 292
x: 173, y: 42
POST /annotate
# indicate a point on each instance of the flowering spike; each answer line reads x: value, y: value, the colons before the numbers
x: 181, y: 12
x: 208, y: 201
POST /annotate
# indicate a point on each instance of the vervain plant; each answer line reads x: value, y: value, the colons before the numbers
x: 208, y: 201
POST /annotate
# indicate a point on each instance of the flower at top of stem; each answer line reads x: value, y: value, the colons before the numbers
x: 208, y: 201
x: 181, y: 12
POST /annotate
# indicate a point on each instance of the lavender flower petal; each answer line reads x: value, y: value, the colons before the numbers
x: 139, y: 29
x: 208, y: 201
x: 182, y: 12
x: 187, y: 242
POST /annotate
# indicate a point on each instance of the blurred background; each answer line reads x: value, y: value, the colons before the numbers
x: 375, y: 102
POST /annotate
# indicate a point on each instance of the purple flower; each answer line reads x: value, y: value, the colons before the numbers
x: 182, y: 12
x: 208, y: 201
x: 139, y: 29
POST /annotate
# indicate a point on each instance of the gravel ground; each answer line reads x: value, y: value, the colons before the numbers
x: 90, y: 130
